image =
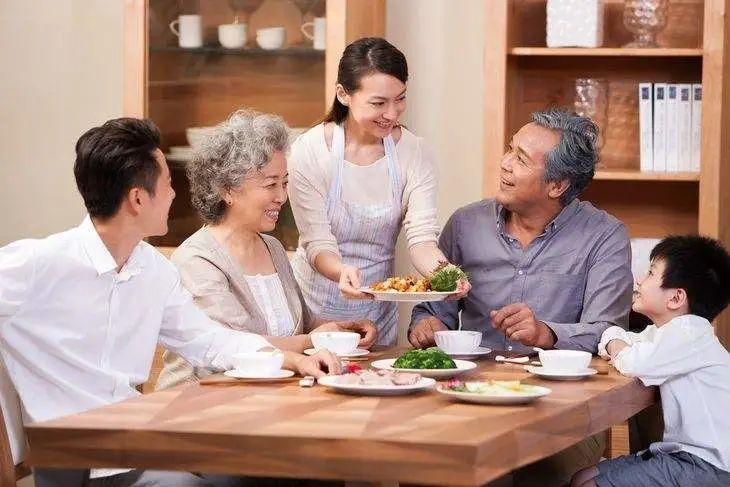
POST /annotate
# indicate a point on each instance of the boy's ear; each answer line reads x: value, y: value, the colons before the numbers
x: 677, y: 299
x: 134, y: 199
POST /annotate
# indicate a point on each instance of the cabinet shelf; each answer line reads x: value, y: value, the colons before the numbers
x: 629, y: 175
x: 297, y: 51
x: 606, y: 51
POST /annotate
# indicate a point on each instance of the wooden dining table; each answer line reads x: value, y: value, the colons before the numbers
x: 280, y: 429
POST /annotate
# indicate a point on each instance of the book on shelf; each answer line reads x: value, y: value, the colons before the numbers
x: 696, y: 126
x: 660, y: 121
x: 670, y: 129
x: 646, y: 127
x: 684, y: 127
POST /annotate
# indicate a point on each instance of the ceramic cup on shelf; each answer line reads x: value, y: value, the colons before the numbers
x: 319, y: 32
x: 232, y: 36
x: 189, y: 30
x: 271, y: 37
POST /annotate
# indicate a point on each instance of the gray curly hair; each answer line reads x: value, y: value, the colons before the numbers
x: 575, y: 156
x: 236, y: 149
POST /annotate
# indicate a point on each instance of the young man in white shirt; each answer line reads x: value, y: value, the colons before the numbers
x: 82, y: 311
x: 688, y: 284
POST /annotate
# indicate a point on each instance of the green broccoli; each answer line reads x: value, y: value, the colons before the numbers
x: 445, y: 277
x: 432, y: 358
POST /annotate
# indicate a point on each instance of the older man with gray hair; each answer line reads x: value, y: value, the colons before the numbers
x: 547, y: 269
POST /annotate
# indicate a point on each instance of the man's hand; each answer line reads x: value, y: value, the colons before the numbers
x: 366, y: 328
x: 615, y: 346
x: 518, y: 323
x: 422, y: 334
x: 318, y: 365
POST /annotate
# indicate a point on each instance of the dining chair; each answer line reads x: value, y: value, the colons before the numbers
x: 13, y: 443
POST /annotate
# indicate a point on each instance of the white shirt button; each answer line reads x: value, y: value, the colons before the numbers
x: 520, y: 272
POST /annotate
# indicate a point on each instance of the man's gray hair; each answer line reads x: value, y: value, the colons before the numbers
x: 235, y: 150
x: 575, y: 156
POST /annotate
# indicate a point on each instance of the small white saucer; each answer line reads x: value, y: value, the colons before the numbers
x: 358, y: 352
x: 244, y: 374
x: 474, y: 354
x: 560, y: 374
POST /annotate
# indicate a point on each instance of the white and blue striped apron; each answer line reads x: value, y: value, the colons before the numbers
x: 366, y: 236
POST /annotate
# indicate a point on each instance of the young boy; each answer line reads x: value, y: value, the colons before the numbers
x: 688, y: 284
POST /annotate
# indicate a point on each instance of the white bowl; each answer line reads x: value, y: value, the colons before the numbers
x: 269, y: 43
x: 568, y: 360
x: 265, y: 363
x: 339, y: 342
x: 458, y: 341
x: 196, y: 135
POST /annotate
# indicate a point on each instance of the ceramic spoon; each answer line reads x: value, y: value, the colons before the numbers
x: 516, y: 360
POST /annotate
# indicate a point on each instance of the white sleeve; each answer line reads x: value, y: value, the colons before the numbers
x: 670, y: 353
x: 17, y: 272
x: 419, y: 194
x: 618, y: 333
x: 187, y: 331
x: 308, y: 191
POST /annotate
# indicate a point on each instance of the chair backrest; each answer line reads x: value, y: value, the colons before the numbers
x: 13, y: 445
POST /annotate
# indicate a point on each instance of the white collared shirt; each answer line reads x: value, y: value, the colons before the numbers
x: 692, y: 369
x: 76, y: 335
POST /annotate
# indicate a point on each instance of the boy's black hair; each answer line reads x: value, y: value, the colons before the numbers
x: 700, y: 266
x: 114, y: 158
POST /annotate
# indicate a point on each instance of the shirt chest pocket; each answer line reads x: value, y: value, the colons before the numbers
x: 560, y: 297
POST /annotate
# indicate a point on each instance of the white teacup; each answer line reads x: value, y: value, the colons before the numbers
x: 565, y: 360
x: 264, y: 363
x: 189, y: 30
x: 338, y: 342
x: 271, y: 37
x: 318, y: 36
x: 232, y: 36
x: 458, y: 341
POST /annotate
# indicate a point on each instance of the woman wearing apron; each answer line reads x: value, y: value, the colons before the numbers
x: 356, y: 180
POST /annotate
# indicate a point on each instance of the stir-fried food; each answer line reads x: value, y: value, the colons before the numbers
x: 408, y: 284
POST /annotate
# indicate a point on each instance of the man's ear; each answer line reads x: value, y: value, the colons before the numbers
x: 557, y: 188
x: 677, y: 299
x: 134, y: 199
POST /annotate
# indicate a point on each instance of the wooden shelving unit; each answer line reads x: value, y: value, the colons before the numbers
x: 523, y: 75
x: 180, y: 88
x: 605, y: 51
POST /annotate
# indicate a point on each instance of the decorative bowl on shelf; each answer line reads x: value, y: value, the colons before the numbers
x: 197, y: 135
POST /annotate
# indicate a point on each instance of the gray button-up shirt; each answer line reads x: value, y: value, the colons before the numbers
x: 575, y: 276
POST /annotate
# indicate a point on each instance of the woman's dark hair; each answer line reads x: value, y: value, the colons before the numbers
x: 700, y: 266
x: 361, y: 58
x: 114, y: 158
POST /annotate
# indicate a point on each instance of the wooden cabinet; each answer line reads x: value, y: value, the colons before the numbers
x: 180, y: 88
x: 522, y: 75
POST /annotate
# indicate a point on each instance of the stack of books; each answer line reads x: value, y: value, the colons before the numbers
x: 670, y: 124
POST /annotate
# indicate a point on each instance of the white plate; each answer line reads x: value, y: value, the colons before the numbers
x: 461, y: 367
x: 359, y: 352
x: 242, y: 374
x: 393, y: 390
x: 474, y: 354
x: 559, y: 374
x: 517, y: 398
x: 407, y: 297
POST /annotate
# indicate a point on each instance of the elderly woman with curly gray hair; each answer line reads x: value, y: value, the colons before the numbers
x: 237, y: 274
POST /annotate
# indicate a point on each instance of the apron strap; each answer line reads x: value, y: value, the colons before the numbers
x: 392, y: 156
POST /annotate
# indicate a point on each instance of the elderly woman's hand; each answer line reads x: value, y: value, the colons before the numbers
x: 366, y: 328
x: 318, y: 365
x: 350, y: 283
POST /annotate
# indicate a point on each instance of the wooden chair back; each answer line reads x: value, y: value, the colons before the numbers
x: 13, y: 446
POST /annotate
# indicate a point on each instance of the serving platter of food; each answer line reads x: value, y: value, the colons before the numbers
x: 493, y: 391
x: 442, y: 283
x: 377, y: 382
x: 431, y: 362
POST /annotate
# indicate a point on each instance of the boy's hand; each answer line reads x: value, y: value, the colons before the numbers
x: 615, y: 346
